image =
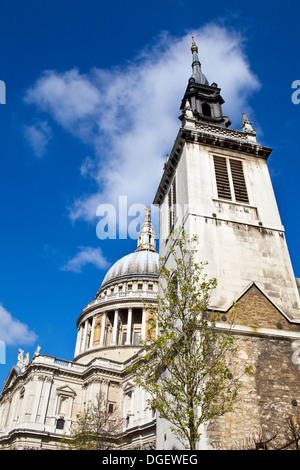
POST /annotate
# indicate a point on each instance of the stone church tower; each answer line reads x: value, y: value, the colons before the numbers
x: 216, y: 183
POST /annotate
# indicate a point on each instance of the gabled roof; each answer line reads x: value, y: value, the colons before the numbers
x: 255, y: 308
x: 13, y: 374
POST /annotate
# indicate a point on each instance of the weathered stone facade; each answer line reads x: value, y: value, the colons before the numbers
x: 39, y: 405
x: 272, y: 394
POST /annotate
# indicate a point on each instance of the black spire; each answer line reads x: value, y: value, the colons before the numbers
x: 204, y: 100
x: 197, y: 75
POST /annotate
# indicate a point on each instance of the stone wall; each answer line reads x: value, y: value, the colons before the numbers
x: 272, y: 394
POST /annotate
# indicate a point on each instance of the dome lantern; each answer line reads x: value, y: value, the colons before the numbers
x: 147, y: 236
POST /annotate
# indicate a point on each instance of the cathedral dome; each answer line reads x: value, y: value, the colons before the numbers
x: 117, y: 317
x: 140, y: 263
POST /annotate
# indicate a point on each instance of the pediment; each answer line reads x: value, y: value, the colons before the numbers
x: 65, y: 390
x: 254, y: 308
x: 13, y: 374
x: 129, y: 387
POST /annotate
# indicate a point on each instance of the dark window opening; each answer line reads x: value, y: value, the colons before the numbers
x: 174, y: 290
x: 206, y: 110
x: 172, y: 205
x: 136, y: 338
x: 60, y: 423
x: 110, y: 407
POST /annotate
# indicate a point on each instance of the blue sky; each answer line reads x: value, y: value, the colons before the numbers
x: 93, y: 91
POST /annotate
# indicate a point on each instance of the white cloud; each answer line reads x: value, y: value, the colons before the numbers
x: 88, y: 167
x: 70, y: 98
x: 129, y: 114
x: 14, y: 332
x: 86, y: 255
x: 38, y: 136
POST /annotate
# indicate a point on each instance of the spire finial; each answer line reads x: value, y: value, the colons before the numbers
x: 197, y: 75
x: 147, y: 214
x: 147, y: 237
x: 194, y: 47
x: 247, y: 127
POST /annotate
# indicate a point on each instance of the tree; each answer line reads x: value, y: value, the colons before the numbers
x: 98, y: 427
x: 187, y: 371
x: 286, y: 437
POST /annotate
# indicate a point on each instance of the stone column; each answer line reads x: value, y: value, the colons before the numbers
x: 77, y: 343
x: 47, y: 392
x: 102, y: 329
x: 129, y: 326
x: 12, y: 410
x: 115, y: 328
x: 39, y: 383
x: 92, y: 333
x: 24, y: 404
x: 84, y: 336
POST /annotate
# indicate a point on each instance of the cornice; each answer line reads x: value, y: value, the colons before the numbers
x: 128, y: 277
x: 42, y: 371
x: 106, y: 365
x: 212, y: 136
x: 101, y: 306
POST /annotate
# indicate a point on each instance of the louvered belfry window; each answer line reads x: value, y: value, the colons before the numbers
x: 238, y: 181
x: 230, y: 179
x: 223, y: 185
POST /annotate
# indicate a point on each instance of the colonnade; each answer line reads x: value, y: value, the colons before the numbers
x: 112, y: 328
